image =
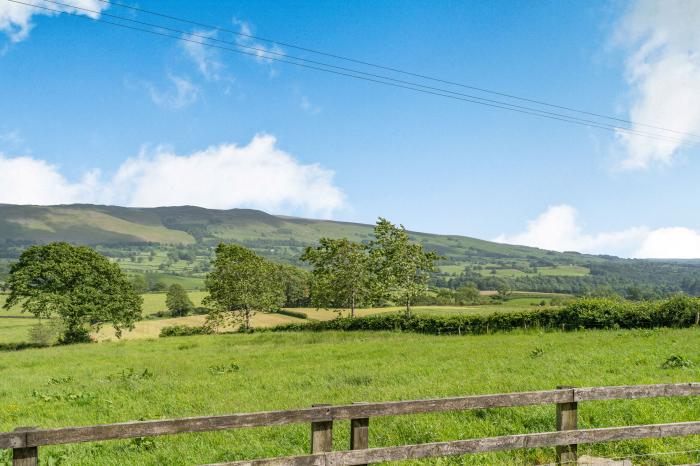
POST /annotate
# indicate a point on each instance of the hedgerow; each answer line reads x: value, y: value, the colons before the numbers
x: 184, y: 330
x: 588, y: 313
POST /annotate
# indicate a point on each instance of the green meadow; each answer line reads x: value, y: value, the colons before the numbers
x: 207, y: 375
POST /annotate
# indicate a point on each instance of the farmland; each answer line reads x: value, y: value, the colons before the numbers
x: 15, y: 330
x: 173, y: 377
x: 175, y: 245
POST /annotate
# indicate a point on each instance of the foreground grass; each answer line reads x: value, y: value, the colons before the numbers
x: 174, y: 377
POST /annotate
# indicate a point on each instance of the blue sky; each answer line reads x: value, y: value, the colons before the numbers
x: 95, y: 113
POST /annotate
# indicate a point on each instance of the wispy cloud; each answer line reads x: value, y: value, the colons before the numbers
x: 16, y: 18
x: 181, y: 92
x: 559, y: 229
x: 11, y: 140
x: 308, y: 106
x: 662, y: 42
x: 206, y: 59
x: 260, y: 52
x: 257, y: 175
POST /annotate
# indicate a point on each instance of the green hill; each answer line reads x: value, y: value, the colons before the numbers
x: 171, y: 243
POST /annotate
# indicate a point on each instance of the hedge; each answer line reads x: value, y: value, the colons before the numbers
x: 590, y: 313
x: 183, y: 330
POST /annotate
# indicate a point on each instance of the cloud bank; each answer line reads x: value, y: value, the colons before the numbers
x: 662, y: 42
x: 16, y: 18
x: 559, y: 229
x: 258, y: 175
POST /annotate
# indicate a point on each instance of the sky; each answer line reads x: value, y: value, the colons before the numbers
x: 95, y: 113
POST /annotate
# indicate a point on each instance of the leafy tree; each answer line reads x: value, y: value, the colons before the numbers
x: 139, y: 283
x: 240, y: 284
x: 503, y: 289
x: 341, y: 276
x: 402, y: 267
x: 177, y: 301
x: 75, y: 284
x: 467, y: 295
x: 296, y: 284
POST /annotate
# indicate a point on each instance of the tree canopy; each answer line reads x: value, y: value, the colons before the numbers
x: 341, y: 276
x: 402, y: 266
x: 240, y: 284
x: 177, y: 301
x: 75, y: 284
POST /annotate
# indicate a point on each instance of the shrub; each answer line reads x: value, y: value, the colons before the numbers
x: 76, y: 335
x: 183, y: 330
x: 677, y: 362
x: 46, y: 333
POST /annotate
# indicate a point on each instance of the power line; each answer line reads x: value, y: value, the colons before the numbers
x: 409, y: 86
x: 396, y: 70
x: 440, y: 91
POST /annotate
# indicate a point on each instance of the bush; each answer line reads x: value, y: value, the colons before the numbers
x: 46, y: 333
x: 677, y: 362
x: 183, y: 331
x: 77, y: 335
x: 297, y: 314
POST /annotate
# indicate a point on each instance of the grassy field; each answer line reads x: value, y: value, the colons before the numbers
x: 173, y: 377
x: 17, y: 330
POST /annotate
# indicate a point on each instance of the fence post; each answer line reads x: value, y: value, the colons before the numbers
x: 28, y: 456
x: 567, y: 419
x: 321, y: 434
x: 359, y: 433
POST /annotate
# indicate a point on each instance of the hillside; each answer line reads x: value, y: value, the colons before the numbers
x: 176, y: 243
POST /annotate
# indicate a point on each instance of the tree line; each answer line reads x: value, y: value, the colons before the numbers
x: 85, y: 290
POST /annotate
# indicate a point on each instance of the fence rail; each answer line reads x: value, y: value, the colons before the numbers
x: 25, y: 441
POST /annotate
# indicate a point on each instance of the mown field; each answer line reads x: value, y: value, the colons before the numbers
x: 16, y: 330
x: 206, y: 375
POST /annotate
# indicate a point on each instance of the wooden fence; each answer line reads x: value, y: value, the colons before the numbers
x: 25, y: 441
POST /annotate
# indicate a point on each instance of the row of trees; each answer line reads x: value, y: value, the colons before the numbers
x: 345, y: 275
x: 348, y: 274
x: 85, y: 290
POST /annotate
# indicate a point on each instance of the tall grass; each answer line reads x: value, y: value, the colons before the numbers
x: 182, y: 376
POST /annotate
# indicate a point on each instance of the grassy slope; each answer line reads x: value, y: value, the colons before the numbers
x: 283, y: 371
x: 182, y: 224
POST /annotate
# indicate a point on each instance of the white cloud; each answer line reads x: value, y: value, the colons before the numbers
x: 258, y: 175
x: 16, y: 18
x: 675, y: 242
x: 24, y: 180
x: 181, y: 93
x: 558, y: 229
x: 662, y: 40
x: 205, y: 58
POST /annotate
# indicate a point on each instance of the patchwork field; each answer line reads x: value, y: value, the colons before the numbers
x: 205, y: 375
x: 15, y: 330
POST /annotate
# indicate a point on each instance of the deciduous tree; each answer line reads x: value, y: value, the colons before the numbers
x: 75, y: 284
x: 240, y: 284
x: 177, y: 301
x: 341, y: 276
x: 402, y: 267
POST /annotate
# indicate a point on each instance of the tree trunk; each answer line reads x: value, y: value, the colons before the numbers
x: 247, y: 319
x: 352, y: 306
x: 408, y: 307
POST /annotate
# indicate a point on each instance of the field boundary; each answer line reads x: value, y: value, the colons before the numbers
x: 25, y: 441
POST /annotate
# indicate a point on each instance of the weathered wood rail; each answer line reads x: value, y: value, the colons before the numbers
x: 25, y: 441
